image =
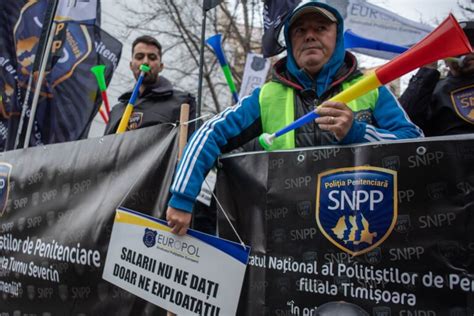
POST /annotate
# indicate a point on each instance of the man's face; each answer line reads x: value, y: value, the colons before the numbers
x: 150, y: 55
x: 313, y: 39
x: 467, y: 67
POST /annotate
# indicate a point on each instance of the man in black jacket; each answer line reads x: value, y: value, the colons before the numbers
x: 158, y: 102
x: 443, y: 106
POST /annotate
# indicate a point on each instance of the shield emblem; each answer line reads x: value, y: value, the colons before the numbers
x: 463, y: 104
x: 403, y: 224
x: 374, y: 257
x: 310, y: 256
x: 149, y: 237
x: 436, y: 190
x: 449, y: 249
x: 258, y: 63
x: 5, y: 171
x: 135, y: 120
x: 391, y: 162
x: 304, y: 208
x: 356, y: 208
x: 76, y: 45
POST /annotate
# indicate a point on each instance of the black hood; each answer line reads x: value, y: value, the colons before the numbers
x: 347, y: 70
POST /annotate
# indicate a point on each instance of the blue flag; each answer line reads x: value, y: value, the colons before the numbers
x: 9, y: 86
x: 69, y: 96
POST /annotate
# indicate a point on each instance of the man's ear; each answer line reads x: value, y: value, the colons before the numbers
x: 161, y: 67
x: 130, y: 64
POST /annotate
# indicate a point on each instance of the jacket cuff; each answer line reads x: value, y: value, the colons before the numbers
x: 181, y: 202
x: 355, y: 134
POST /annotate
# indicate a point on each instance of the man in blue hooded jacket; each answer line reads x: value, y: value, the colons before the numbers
x: 316, y: 68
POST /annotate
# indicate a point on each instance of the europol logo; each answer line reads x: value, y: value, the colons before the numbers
x: 149, y: 237
x: 356, y: 208
x: 5, y: 171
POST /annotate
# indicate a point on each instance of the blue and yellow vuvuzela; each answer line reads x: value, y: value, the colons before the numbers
x: 131, y: 103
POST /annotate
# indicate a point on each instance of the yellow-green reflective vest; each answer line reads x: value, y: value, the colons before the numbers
x: 277, y: 109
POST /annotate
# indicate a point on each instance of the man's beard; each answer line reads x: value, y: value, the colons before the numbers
x: 150, y: 79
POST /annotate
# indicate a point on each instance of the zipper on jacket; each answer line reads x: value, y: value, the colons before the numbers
x: 317, y: 130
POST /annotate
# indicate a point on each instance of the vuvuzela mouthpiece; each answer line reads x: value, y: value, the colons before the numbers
x: 144, y: 68
x: 266, y: 140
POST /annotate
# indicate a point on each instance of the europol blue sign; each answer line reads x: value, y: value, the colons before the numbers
x: 356, y: 208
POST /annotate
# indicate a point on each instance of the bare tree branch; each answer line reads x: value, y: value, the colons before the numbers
x: 177, y: 25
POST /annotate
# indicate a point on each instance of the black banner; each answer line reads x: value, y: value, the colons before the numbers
x: 211, y: 4
x: 57, y: 206
x: 388, y: 227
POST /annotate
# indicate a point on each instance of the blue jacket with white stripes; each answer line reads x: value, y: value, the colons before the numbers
x: 241, y: 123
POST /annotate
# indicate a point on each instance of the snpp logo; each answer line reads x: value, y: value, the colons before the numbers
x: 5, y: 171
x: 356, y: 208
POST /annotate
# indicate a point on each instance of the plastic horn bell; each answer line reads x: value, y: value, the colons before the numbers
x: 448, y: 35
x: 131, y: 103
x: 215, y: 42
x: 99, y: 72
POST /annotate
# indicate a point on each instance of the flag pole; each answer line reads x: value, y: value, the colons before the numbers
x: 201, y: 65
x: 42, y: 71
x: 206, y: 6
x: 24, y: 108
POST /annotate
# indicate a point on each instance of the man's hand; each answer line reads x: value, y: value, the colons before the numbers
x: 335, y: 117
x: 179, y: 221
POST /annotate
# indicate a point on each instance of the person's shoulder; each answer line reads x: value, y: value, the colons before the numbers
x: 427, y: 74
x: 165, y: 84
x: 122, y: 102
x: 183, y: 94
x: 124, y: 97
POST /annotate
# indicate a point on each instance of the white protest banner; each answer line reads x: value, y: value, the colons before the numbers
x: 255, y: 73
x: 195, y: 274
